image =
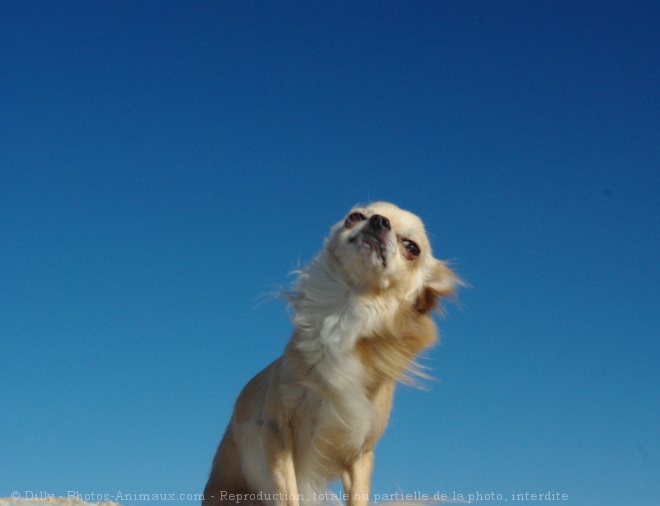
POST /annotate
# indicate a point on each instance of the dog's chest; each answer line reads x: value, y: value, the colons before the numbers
x: 334, y: 426
x: 333, y: 430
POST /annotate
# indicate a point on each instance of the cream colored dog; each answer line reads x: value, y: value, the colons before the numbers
x: 362, y: 314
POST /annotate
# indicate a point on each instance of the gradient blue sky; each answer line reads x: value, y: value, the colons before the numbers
x: 165, y: 164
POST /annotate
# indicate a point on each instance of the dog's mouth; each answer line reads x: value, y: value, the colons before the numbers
x: 377, y: 245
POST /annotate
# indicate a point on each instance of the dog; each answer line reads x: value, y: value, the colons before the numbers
x: 362, y: 314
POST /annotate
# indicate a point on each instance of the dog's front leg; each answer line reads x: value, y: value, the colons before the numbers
x: 279, y: 451
x: 357, y: 480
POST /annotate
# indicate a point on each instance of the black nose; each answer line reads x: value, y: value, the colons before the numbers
x: 379, y: 222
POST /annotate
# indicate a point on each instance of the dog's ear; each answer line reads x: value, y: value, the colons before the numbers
x: 440, y: 281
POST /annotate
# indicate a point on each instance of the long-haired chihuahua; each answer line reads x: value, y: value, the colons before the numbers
x: 361, y: 316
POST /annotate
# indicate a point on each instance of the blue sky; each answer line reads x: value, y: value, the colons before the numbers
x: 166, y: 164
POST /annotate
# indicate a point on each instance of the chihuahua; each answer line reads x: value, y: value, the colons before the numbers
x: 362, y: 314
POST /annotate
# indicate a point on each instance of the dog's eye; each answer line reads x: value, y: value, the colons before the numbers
x: 355, y: 218
x: 411, y: 247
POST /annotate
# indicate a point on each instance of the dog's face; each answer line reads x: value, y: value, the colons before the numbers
x: 380, y: 247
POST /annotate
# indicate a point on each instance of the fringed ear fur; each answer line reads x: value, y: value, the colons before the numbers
x: 441, y: 282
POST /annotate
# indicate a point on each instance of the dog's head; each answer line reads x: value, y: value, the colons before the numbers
x: 381, y: 248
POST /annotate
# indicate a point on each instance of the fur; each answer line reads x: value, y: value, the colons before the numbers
x: 361, y: 316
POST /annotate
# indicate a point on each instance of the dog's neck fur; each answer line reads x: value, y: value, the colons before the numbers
x: 327, y: 307
x: 332, y: 318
